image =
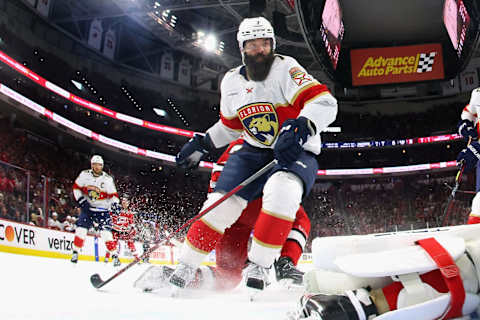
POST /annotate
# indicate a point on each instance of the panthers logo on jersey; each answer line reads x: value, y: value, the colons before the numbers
x: 260, y: 120
x: 93, y: 195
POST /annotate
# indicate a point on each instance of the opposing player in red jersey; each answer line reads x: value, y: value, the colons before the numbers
x: 123, y: 228
x: 231, y: 249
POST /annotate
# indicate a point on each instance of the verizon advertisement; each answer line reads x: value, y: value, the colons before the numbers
x: 396, y: 64
x: 32, y: 240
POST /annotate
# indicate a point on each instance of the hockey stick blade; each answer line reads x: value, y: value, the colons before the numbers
x: 96, y: 281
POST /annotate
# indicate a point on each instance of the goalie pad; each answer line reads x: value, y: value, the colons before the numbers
x: 331, y: 282
x: 432, y: 309
x: 397, y: 261
x: 335, y: 253
x: 361, y: 259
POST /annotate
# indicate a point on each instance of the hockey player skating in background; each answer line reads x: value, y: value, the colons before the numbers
x: 231, y: 248
x: 418, y: 274
x: 281, y: 110
x: 95, y: 192
x: 123, y: 228
x: 468, y: 127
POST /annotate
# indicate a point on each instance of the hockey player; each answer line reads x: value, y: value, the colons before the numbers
x: 418, y: 274
x: 231, y: 249
x: 123, y: 228
x: 282, y: 110
x: 95, y: 192
x: 468, y: 127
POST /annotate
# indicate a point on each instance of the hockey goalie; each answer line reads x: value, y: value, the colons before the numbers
x: 415, y: 275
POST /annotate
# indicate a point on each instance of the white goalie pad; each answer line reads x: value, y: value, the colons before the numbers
x: 331, y: 282
x: 378, y: 255
x: 410, y: 259
x: 432, y: 309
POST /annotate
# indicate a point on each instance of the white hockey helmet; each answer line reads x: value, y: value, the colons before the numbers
x: 255, y: 28
x: 96, y: 159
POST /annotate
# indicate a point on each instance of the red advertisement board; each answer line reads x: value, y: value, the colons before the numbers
x: 397, y: 64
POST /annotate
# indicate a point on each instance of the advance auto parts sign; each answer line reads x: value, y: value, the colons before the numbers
x: 397, y: 64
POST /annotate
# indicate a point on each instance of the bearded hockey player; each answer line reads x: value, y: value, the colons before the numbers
x: 231, y: 249
x: 468, y: 127
x: 418, y: 274
x: 281, y: 110
x: 95, y: 192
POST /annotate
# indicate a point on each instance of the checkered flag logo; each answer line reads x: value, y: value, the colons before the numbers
x: 425, y: 62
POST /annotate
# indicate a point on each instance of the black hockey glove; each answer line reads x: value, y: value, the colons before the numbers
x: 292, y: 137
x: 193, y: 151
x: 469, y: 156
x: 467, y: 130
x: 116, y: 208
x: 83, y: 203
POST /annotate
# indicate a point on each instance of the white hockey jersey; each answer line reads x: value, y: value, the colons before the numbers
x: 100, y: 191
x: 471, y: 110
x: 258, y: 108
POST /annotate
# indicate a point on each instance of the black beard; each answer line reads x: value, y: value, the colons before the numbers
x: 258, y: 70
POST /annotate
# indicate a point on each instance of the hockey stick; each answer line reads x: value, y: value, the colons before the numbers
x: 97, y: 282
x: 460, y: 191
x: 458, y: 179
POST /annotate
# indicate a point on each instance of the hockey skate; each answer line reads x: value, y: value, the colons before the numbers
x: 74, y: 257
x: 181, y: 277
x: 256, y: 278
x: 116, y: 261
x: 286, y: 272
x: 155, y: 277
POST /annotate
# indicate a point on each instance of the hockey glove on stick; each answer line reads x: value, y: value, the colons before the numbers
x: 467, y: 130
x: 469, y: 156
x: 292, y: 137
x: 193, y: 151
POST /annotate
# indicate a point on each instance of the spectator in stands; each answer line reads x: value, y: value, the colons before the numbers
x: 53, y: 222
x: 68, y: 224
x: 3, y: 212
x: 19, y: 217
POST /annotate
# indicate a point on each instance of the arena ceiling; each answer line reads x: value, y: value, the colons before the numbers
x: 144, y: 37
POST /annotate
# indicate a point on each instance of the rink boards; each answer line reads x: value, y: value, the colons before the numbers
x: 31, y: 240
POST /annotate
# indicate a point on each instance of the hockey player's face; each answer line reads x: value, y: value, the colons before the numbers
x: 258, y: 48
x: 97, y: 168
x: 258, y: 58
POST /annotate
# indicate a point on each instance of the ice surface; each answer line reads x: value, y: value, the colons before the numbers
x: 46, y: 288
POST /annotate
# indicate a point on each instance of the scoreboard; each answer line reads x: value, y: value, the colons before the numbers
x: 436, y: 59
